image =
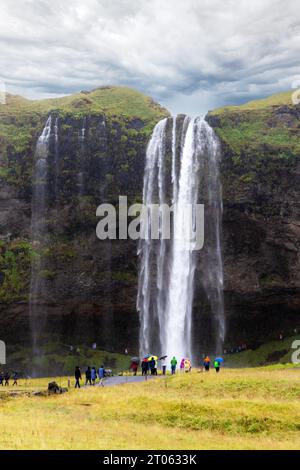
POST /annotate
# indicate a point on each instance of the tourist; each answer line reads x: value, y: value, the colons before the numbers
x: 1, y: 378
x: 163, y: 365
x: 101, y: 373
x: 93, y: 375
x: 187, y: 365
x: 173, y: 365
x: 206, y: 363
x: 152, y: 365
x: 15, y: 377
x: 77, y: 376
x: 134, y: 367
x: 88, y: 376
x: 145, y: 367
x: 6, y: 378
x: 182, y: 365
x: 217, y: 365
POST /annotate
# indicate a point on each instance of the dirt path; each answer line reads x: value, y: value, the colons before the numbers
x: 124, y: 379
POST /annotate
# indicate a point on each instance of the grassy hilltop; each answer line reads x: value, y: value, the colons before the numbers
x: 270, y: 124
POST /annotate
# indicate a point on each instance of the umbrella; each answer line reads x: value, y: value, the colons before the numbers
x: 162, y: 357
x: 135, y: 359
x: 219, y: 359
x: 148, y: 359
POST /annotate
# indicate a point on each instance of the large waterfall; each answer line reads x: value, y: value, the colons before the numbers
x: 182, y: 169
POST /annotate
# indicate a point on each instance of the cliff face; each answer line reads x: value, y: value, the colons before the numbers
x: 261, y: 223
x: 89, y: 286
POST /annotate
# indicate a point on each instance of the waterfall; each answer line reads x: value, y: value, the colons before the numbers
x: 168, y: 267
x: 38, y: 227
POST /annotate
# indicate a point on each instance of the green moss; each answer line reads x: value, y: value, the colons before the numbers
x: 268, y: 125
x: 123, y: 276
x: 15, y: 263
x: 46, y: 274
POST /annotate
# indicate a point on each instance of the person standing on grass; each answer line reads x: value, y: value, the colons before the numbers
x: 217, y: 365
x: 145, y: 367
x: 15, y: 377
x: 6, y: 378
x: 173, y: 365
x: 152, y: 365
x: 206, y: 363
x: 163, y: 365
x: 93, y: 375
x: 77, y: 377
x: 1, y: 378
x: 88, y: 376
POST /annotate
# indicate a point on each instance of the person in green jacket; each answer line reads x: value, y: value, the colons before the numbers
x: 173, y: 365
x: 217, y: 366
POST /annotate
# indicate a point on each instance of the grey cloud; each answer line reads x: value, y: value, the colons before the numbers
x: 192, y: 54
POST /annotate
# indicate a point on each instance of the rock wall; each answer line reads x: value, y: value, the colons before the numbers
x: 90, y: 285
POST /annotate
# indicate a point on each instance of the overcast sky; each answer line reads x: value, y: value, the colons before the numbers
x: 190, y: 55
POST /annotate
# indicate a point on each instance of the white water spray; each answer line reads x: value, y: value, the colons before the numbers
x: 167, y: 267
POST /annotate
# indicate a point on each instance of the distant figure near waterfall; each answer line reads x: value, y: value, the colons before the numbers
x: 145, y: 367
x: 206, y: 363
x: 173, y: 365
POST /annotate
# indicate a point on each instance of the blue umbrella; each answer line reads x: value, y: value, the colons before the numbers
x: 219, y: 359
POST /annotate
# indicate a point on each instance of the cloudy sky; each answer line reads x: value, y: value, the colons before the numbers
x: 191, y: 55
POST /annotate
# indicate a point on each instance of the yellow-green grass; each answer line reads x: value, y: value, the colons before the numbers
x: 236, y: 409
x: 278, y: 99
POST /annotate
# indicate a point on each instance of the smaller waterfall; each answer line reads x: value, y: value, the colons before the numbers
x: 80, y: 175
x: 38, y: 228
x: 83, y: 129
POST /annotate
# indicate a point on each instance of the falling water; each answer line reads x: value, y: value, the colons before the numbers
x: 168, y: 267
x: 38, y: 227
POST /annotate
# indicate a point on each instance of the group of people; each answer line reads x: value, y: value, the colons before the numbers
x: 206, y: 364
x: 149, y: 365
x: 6, y: 376
x: 91, y: 375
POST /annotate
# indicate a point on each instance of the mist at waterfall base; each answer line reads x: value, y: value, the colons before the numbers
x: 180, y: 291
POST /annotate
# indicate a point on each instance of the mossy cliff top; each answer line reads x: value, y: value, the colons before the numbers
x: 21, y: 118
x: 270, y: 125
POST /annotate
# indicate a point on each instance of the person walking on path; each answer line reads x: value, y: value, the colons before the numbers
x: 77, y: 377
x: 173, y: 365
x: 134, y: 367
x: 145, y: 367
x: 206, y: 363
x: 217, y: 365
x: 152, y: 365
x: 93, y: 375
x: 88, y: 376
x: 101, y: 373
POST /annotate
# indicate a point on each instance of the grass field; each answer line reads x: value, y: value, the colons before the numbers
x: 255, y: 408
